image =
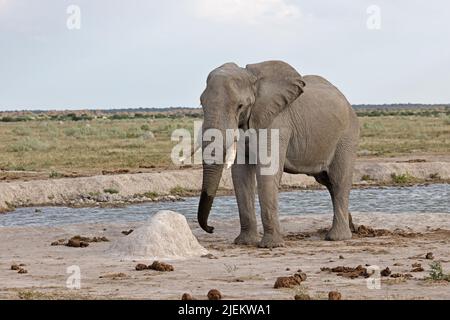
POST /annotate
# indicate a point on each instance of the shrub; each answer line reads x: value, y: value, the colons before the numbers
x: 177, y: 191
x: 436, y: 272
x: 402, y: 178
x: 55, y: 175
x: 151, y: 195
x: 111, y: 191
x: 29, y: 144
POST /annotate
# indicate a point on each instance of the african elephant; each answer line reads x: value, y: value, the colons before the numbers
x: 318, y: 136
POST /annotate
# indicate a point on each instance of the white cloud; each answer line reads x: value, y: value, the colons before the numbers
x: 247, y: 11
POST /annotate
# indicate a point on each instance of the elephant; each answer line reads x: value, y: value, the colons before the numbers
x: 318, y: 136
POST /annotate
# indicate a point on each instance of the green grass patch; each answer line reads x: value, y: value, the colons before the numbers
x: 403, y: 178
x: 111, y: 191
x: 437, y: 273
x: 55, y: 175
x: 151, y: 194
x: 178, y: 191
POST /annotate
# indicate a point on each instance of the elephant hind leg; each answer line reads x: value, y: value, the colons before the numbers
x: 338, y: 181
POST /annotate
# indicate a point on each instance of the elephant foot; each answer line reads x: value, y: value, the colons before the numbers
x: 338, y: 234
x: 247, y: 238
x: 271, y: 241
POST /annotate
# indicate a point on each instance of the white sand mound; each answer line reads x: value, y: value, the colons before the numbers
x: 166, y: 235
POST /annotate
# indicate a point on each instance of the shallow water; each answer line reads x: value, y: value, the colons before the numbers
x: 432, y: 198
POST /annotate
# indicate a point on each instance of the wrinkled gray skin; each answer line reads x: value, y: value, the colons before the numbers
x: 318, y: 137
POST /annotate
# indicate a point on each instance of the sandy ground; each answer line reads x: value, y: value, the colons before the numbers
x: 238, y: 272
x: 131, y: 187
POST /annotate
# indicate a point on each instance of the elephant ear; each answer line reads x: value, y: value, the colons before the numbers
x: 277, y: 86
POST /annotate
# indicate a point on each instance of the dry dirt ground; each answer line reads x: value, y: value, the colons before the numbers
x: 238, y: 272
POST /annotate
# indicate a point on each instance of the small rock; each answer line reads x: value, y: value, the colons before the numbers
x: 350, y: 272
x: 416, y: 265
x: 429, y: 256
x: 288, y: 269
x: 401, y: 275
x: 59, y: 242
x: 341, y: 257
x: 127, y: 232
x: 140, y: 267
x: 209, y: 256
x: 418, y: 269
x: 386, y: 272
x: 161, y: 266
x: 334, y: 295
x: 285, y: 282
x: 186, y: 296
x: 397, y: 264
x: 302, y: 296
x: 15, y: 267
x: 22, y: 270
x: 98, y: 239
x: 76, y: 243
x: 289, y: 282
x: 113, y: 276
x: 214, y: 294
x: 301, y: 275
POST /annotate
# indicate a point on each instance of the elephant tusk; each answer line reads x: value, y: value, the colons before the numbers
x: 231, y: 155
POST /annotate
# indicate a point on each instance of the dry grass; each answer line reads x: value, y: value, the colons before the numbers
x: 88, y: 147
x: 399, y: 135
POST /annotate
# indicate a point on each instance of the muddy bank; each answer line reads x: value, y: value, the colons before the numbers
x: 170, y: 185
x: 401, y: 243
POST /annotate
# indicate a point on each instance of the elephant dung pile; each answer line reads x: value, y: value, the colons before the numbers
x: 166, y: 235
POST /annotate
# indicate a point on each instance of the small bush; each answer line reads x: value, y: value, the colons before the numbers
x: 15, y: 119
x: 436, y: 272
x: 55, y: 175
x: 151, y: 195
x: 22, y: 131
x: 111, y: 191
x: 177, y: 191
x: 402, y: 178
x: 29, y: 144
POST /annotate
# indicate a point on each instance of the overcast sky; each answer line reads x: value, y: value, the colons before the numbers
x: 141, y: 53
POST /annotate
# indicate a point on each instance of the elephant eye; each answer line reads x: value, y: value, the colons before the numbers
x: 240, y: 107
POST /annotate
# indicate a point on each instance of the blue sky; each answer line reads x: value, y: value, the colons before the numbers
x: 142, y: 53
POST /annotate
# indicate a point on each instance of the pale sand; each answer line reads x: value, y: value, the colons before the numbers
x: 257, y: 268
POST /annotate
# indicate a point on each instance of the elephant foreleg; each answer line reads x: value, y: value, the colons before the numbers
x: 268, y: 200
x: 268, y: 186
x: 244, y: 186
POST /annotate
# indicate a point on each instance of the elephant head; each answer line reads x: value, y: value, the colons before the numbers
x: 235, y: 98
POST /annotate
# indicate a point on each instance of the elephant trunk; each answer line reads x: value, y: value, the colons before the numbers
x: 211, y: 178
